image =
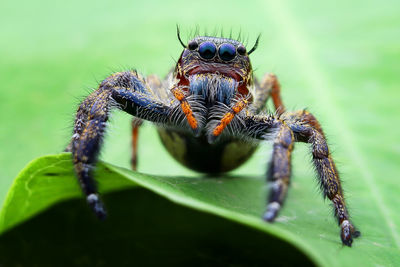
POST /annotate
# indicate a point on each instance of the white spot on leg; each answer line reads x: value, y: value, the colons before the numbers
x: 92, y: 198
x: 345, y: 223
x: 274, y: 206
x: 272, y: 211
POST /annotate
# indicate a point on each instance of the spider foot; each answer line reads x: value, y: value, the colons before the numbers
x: 97, y: 206
x: 348, y: 232
x: 272, y: 211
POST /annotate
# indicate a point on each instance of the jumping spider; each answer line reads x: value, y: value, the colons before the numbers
x: 213, y: 109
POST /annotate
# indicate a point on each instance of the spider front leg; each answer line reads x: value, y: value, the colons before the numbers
x: 279, y: 170
x: 262, y: 127
x: 126, y: 91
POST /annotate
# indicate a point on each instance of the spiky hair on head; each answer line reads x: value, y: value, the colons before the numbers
x: 197, y: 33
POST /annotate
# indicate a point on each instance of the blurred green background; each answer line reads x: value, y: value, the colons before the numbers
x: 339, y: 59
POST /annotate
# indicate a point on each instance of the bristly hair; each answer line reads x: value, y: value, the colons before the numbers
x: 255, y: 45
x: 179, y: 36
x: 197, y: 32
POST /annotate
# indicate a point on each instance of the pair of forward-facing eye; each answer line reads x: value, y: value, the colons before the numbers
x: 208, y: 50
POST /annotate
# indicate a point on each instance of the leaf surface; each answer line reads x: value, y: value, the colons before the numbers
x: 303, y: 224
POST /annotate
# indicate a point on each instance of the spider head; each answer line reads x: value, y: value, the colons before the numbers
x: 213, y: 60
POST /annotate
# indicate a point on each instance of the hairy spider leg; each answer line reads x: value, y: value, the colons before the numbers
x: 89, y: 128
x: 289, y: 130
x: 126, y: 91
x: 307, y: 129
x: 228, y: 117
x: 269, y: 86
x: 276, y: 94
x: 325, y: 166
x: 279, y: 170
x: 305, y: 116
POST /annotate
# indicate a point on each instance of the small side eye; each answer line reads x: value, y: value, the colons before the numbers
x: 192, y: 45
x: 241, y: 50
x: 207, y: 50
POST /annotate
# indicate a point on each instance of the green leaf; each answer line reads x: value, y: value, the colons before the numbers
x: 46, y: 181
x: 50, y: 179
x: 143, y: 229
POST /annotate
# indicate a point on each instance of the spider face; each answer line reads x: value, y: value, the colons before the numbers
x: 212, y: 60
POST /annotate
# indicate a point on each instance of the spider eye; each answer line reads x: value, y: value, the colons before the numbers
x: 207, y: 50
x: 227, y: 52
x: 241, y: 50
x: 192, y: 45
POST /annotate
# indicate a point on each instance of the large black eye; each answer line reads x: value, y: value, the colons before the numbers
x: 192, y: 45
x: 207, y: 50
x: 227, y: 52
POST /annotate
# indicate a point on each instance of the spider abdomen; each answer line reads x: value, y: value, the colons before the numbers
x: 198, y: 154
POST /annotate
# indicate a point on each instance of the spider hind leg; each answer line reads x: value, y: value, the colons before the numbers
x: 135, y: 124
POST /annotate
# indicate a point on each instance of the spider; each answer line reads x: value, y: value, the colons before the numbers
x: 210, y: 113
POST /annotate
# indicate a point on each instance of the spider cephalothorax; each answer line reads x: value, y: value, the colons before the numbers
x: 219, y: 71
x: 210, y: 114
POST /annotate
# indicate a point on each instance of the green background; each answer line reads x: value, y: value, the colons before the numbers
x: 338, y: 59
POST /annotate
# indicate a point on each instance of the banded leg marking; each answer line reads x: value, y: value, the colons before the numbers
x: 228, y: 117
x: 186, y: 108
